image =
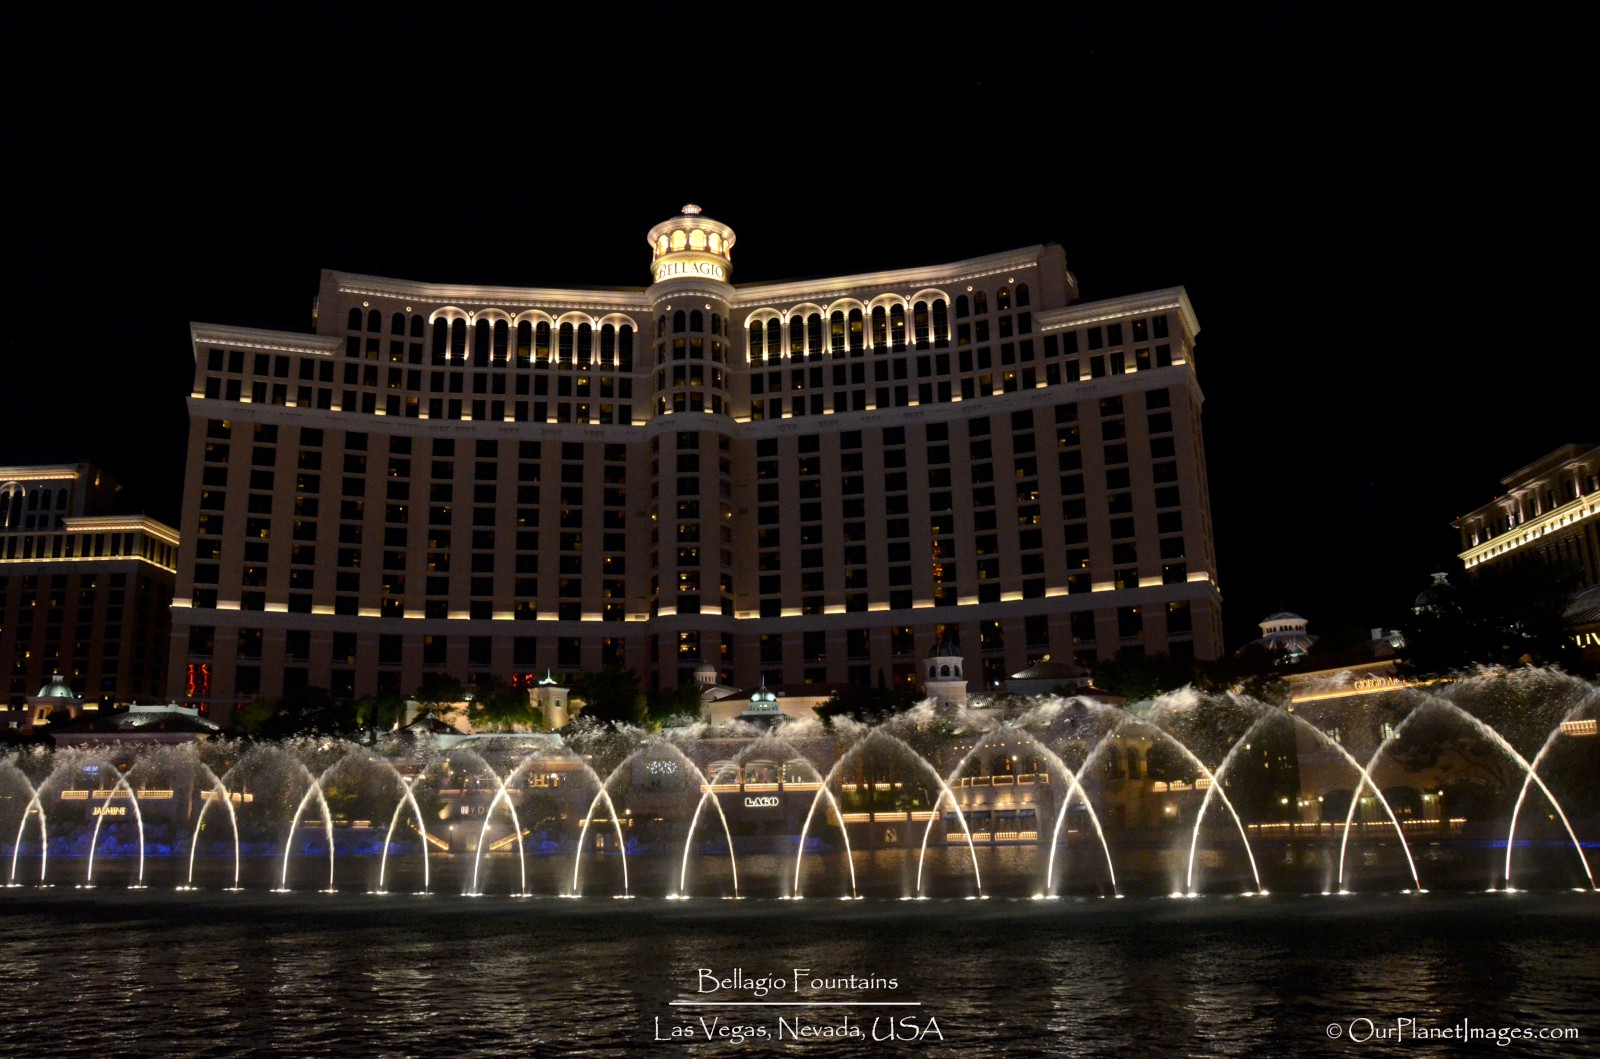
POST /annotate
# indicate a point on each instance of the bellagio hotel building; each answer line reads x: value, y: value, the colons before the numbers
x: 809, y: 482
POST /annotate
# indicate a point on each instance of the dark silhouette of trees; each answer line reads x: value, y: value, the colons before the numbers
x: 1504, y: 615
x: 613, y: 695
x: 500, y: 707
x: 683, y: 701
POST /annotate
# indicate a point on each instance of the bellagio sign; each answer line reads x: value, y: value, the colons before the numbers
x: 691, y: 267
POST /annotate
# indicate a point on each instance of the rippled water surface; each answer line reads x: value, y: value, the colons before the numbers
x: 156, y: 972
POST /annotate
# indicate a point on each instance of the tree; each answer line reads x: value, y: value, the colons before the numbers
x: 377, y: 713
x: 682, y: 701
x: 310, y: 710
x: 1138, y: 679
x: 500, y: 707
x: 1505, y: 614
x: 438, y: 689
x: 613, y: 695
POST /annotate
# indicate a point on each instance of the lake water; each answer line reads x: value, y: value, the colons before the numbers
x: 113, y: 971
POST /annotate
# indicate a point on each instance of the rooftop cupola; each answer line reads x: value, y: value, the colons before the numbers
x: 690, y: 245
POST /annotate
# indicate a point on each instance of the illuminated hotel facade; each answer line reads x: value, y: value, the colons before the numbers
x: 1550, y: 512
x: 84, y: 593
x: 804, y: 482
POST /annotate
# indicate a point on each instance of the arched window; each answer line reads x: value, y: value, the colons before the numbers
x: 941, y: 322
x: 441, y: 340
x: 416, y: 327
x: 375, y: 321
x: 679, y: 322
x: 1002, y: 299
x: 585, y: 345
x: 797, y: 336
x: 897, y: 327
x: 397, y: 324
x: 482, y: 332
x: 608, y: 345
x: 980, y: 303
x: 758, y: 343
x: 856, y: 336
x: 697, y: 321
x: 678, y: 240
x: 625, y: 348
x: 962, y: 310
x: 541, y: 341
x: 880, y: 330
x: 661, y: 321
x: 354, y: 323
x: 919, y: 320
x: 814, y: 334
x: 1022, y: 295
x: 502, y: 337
x: 944, y: 671
x: 458, y: 339
x: 566, y: 344
x: 697, y: 240
x: 836, y: 332
x: 774, y: 339
x: 716, y: 323
x: 524, y: 340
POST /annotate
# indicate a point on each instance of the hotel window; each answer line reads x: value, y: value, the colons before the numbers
x: 897, y: 327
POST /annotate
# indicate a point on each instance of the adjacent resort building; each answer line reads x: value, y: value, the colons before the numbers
x: 84, y: 593
x: 803, y: 483
x: 1550, y: 513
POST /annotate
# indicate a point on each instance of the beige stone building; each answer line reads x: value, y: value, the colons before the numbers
x: 1548, y: 512
x: 805, y: 482
x: 84, y: 593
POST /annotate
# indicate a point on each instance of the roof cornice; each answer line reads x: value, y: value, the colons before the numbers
x: 259, y: 338
x: 462, y: 294
x: 1116, y: 308
x: 755, y: 294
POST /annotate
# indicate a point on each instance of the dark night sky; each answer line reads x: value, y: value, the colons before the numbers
x: 1382, y: 213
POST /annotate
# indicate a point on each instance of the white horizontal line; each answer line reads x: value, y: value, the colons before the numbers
x: 794, y: 1003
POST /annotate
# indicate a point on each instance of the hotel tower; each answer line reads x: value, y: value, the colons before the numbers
x: 810, y: 482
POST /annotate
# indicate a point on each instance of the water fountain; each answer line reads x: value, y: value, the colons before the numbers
x: 936, y: 803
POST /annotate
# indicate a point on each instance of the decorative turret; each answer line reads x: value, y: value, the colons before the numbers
x: 763, y: 708
x: 56, y: 688
x: 691, y: 245
x: 705, y: 675
x: 1284, y: 634
x: 552, y: 699
x: 944, y: 682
